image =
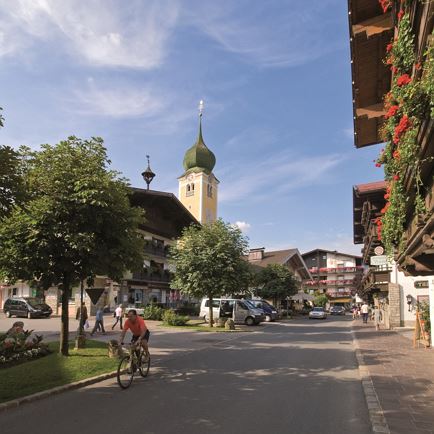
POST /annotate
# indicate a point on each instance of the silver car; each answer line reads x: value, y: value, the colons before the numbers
x: 317, y: 313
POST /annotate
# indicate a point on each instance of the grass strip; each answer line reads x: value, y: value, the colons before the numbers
x: 55, y: 370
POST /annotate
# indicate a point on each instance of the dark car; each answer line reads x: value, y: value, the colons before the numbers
x: 28, y: 307
x: 337, y: 310
x: 269, y: 310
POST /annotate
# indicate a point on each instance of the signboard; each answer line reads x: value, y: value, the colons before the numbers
x: 421, y: 284
x: 379, y: 260
x: 379, y: 250
x: 94, y: 294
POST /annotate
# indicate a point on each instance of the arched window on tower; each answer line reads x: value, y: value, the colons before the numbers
x: 209, y: 190
x: 189, y: 190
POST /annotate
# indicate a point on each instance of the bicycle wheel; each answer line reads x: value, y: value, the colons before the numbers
x: 125, y: 372
x: 145, y: 364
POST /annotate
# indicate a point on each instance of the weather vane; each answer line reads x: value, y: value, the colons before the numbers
x: 200, y: 107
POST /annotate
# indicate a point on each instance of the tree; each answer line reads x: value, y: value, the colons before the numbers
x: 275, y: 281
x: 12, y: 189
x: 76, y: 223
x: 208, y: 261
x: 320, y: 300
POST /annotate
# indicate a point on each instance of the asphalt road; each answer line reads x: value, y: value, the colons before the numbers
x: 296, y: 377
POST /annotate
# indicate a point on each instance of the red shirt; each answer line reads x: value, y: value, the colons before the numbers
x: 137, y: 328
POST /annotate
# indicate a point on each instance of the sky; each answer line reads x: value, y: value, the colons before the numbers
x: 274, y: 76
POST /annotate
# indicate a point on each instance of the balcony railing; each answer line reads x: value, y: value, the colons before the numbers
x: 330, y: 282
x: 151, y: 277
x: 336, y: 294
x: 337, y: 270
x: 156, y: 250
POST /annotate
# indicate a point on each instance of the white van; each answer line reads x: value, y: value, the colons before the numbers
x: 239, y: 311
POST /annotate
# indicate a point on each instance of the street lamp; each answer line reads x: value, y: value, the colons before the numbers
x: 409, y: 301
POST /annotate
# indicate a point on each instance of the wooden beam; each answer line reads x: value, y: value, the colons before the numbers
x: 374, y: 26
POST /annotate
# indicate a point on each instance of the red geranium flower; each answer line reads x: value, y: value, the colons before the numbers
x: 389, y: 47
x: 377, y: 165
x: 418, y: 66
x: 396, y: 155
x: 403, y: 80
x: 394, y: 69
x: 395, y: 177
x: 392, y: 111
x: 401, y: 128
x: 400, y: 15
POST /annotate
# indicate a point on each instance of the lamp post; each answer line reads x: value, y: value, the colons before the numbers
x: 409, y: 301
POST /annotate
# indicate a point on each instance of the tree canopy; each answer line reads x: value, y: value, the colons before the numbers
x: 77, y: 221
x: 208, y: 261
x: 12, y: 189
x: 275, y: 281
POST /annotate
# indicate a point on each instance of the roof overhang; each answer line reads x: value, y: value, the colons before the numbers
x: 370, y: 32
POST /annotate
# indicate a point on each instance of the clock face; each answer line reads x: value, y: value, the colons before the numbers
x: 190, y: 178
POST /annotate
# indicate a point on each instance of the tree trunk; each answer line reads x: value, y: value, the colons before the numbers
x: 210, y: 316
x: 64, y: 331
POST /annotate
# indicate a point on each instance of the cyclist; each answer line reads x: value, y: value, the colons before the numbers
x: 139, y: 330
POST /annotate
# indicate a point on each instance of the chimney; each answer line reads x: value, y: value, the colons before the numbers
x: 256, y: 254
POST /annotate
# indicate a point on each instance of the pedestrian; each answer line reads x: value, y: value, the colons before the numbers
x: 99, y: 321
x: 354, y: 310
x: 377, y: 316
x: 83, y: 317
x: 365, y: 312
x: 118, y: 316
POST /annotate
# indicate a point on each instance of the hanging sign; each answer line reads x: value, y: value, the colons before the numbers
x: 421, y: 284
x: 379, y: 260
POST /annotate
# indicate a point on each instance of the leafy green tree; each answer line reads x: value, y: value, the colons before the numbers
x: 275, y: 282
x: 76, y: 223
x: 208, y: 261
x: 1, y: 118
x: 320, y: 300
x: 12, y: 189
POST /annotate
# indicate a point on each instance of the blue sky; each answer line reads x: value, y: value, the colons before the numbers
x: 275, y: 78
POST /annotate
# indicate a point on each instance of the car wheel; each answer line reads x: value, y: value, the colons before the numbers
x: 250, y: 321
x: 8, y: 314
x: 268, y: 318
x: 29, y: 315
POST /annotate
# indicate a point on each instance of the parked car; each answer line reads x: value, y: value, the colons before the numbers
x: 337, y: 310
x: 270, y: 312
x: 28, y: 307
x: 317, y: 313
x: 240, y: 311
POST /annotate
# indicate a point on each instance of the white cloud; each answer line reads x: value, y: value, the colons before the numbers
x: 103, y: 32
x: 278, y: 174
x: 243, y: 226
x: 267, y: 33
x: 118, y: 102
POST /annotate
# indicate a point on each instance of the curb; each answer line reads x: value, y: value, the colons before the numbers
x: 376, y: 413
x: 55, y: 391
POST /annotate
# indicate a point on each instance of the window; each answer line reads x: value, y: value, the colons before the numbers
x: 190, y: 190
x: 209, y: 190
x: 215, y: 304
x: 14, y: 291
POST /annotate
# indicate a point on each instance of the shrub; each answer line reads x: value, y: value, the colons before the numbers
x: 16, y: 348
x: 188, y: 309
x: 171, y: 318
x: 153, y: 312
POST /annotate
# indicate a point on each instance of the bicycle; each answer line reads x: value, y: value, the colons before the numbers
x: 131, y: 363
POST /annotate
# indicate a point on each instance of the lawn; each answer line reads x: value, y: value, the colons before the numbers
x: 54, y: 370
x: 200, y: 326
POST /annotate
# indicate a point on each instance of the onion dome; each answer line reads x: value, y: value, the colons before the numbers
x: 199, y: 158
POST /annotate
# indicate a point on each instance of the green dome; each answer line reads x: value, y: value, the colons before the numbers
x: 199, y: 157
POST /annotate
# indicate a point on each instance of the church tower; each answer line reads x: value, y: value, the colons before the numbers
x: 198, y: 185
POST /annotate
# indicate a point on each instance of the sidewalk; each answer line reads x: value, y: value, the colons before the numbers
x: 403, y: 378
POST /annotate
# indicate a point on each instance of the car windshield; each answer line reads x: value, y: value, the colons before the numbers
x: 268, y: 304
x: 318, y: 309
x: 34, y: 302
